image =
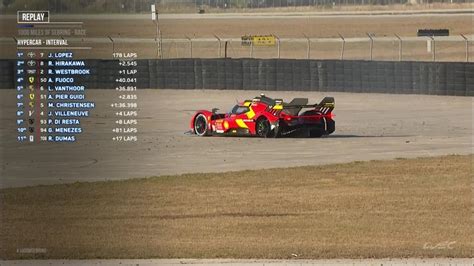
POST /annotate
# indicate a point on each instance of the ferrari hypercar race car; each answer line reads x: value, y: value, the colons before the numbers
x: 266, y: 117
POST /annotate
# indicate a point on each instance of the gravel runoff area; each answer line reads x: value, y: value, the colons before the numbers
x: 368, y: 126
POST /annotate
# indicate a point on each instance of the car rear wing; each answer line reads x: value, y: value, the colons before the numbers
x: 325, y: 106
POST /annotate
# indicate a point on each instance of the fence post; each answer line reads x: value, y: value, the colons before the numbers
x: 219, y: 51
x: 113, y: 45
x: 161, y: 45
x: 190, y: 45
x: 371, y: 45
x: 400, y: 47
x: 467, y: 46
x: 343, y: 44
x: 251, y: 48
x: 225, y: 49
x: 278, y: 46
x: 157, y: 47
x: 433, y: 47
x: 308, y: 51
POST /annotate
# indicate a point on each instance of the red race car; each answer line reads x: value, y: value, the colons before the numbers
x: 266, y: 117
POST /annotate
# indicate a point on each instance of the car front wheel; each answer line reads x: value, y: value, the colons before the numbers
x: 200, y: 125
x: 262, y: 127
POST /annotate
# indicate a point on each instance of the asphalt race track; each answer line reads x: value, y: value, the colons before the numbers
x: 368, y: 127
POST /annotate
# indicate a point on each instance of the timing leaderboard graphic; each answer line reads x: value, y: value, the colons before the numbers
x: 51, y: 83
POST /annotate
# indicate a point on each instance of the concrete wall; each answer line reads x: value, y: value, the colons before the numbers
x: 438, y: 78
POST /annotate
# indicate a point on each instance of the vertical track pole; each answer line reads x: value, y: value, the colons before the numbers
x: 467, y: 46
x: 190, y: 46
x: 343, y: 46
x: 220, y: 46
x: 371, y: 47
x: 278, y: 46
x: 113, y: 45
x: 400, y: 48
x: 308, y: 49
x: 251, y: 48
x: 225, y: 49
x: 433, y: 48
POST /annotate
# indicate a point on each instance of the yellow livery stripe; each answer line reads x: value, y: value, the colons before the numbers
x: 241, y: 123
x: 250, y: 114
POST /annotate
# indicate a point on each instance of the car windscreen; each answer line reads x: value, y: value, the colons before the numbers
x: 237, y: 110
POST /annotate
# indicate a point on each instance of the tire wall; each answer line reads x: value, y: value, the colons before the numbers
x: 434, y: 78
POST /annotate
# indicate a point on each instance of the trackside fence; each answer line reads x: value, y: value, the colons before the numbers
x: 406, y: 77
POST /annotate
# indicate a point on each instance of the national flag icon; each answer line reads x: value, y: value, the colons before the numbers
x: 31, y: 79
x: 32, y: 96
x: 19, y: 54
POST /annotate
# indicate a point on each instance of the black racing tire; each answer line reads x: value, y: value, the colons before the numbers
x: 262, y: 127
x: 316, y: 133
x: 330, y: 126
x: 201, y: 125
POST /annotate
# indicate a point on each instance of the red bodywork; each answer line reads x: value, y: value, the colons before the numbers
x: 265, y: 117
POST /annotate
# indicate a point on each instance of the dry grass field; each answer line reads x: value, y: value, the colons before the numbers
x: 377, y: 209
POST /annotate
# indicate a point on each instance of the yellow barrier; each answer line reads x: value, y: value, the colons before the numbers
x: 259, y: 40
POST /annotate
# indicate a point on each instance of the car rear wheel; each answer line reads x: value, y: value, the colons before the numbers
x: 262, y: 127
x: 200, y: 125
x: 316, y: 133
